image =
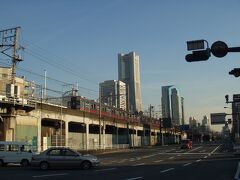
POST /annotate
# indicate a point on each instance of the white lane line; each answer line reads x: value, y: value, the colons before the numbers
x: 138, y: 164
x: 171, y: 157
x: 109, y: 169
x: 193, y: 149
x: 205, y: 157
x: 170, y: 169
x: 132, y: 159
x: 215, y: 149
x: 158, y: 161
x: 49, y: 175
x: 179, y: 155
x: 123, y: 160
x: 134, y: 178
x: 198, y: 160
x: 237, y: 173
x: 187, y: 164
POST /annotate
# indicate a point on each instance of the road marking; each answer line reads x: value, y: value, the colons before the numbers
x: 132, y: 159
x: 215, y: 149
x: 237, y: 173
x: 138, y: 164
x: 198, y: 160
x: 203, y: 151
x: 187, y: 164
x: 205, y: 157
x: 170, y: 169
x: 48, y: 175
x: 123, y: 160
x: 135, y: 178
x: 171, y: 157
x: 109, y: 169
x: 179, y: 155
x: 158, y: 161
x: 193, y: 149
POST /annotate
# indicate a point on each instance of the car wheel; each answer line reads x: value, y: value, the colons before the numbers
x: 24, y: 163
x: 1, y: 163
x: 86, y: 165
x: 44, y: 166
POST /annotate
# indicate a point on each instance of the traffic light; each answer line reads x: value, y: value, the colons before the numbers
x: 235, y: 72
x: 227, y: 98
x: 201, y: 55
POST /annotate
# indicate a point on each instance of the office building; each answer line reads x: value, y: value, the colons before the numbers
x: 172, y: 106
x: 113, y: 93
x: 129, y: 73
x: 176, y: 107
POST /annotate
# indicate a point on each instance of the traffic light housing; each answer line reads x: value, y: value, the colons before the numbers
x: 201, y: 55
x: 235, y: 72
x: 227, y: 98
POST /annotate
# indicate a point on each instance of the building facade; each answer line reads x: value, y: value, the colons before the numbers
x: 172, y: 109
x: 235, y: 115
x: 129, y: 73
x: 113, y: 93
x: 176, y: 107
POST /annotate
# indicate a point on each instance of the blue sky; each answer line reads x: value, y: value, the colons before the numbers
x: 80, y: 41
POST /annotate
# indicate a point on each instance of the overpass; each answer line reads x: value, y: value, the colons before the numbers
x: 44, y: 125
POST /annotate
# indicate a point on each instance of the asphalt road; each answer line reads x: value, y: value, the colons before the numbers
x: 204, y: 161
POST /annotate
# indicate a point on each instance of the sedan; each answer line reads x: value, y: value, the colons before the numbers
x: 56, y: 157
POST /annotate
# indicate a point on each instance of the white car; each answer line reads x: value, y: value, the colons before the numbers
x: 15, y: 152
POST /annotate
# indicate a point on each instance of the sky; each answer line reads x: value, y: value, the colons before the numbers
x: 78, y: 42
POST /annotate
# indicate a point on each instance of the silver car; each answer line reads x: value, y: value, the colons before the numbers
x: 57, y: 157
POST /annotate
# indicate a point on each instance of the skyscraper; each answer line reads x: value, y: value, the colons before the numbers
x: 171, y: 106
x: 129, y: 73
x: 166, y: 102
x: 113, y: 93
x: 175, y: 106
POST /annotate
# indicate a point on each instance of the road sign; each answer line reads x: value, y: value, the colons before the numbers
x: 218, y: 118
x: 219, y: 49
x: 195, y: 45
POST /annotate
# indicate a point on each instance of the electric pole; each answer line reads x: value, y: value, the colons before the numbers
x: 8, y: 41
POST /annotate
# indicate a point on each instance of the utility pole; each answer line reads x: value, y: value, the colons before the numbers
x: 9, y: 40
x: 99, y: 116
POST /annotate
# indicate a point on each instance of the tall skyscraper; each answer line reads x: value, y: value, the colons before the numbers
x: 176, y: 108
x: 129, y: 73
x: 166, y: 102
x: 182, y: 108
x: 113, y: 93
x: 171, y: 106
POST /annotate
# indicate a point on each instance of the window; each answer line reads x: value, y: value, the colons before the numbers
x: 12, y: 147
x: 69, y: 153
x: 55, y: 152
x: 2, y: 147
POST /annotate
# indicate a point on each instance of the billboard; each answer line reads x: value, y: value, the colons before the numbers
x: 218, y: 118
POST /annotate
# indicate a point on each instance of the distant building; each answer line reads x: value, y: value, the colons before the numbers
x: 182, y: 108
x: 129, y: 73
x: 114, y: 93
x: 172, y: 106
x: 235, y: 115
x: 193, y: 123
x: 176, y: 107
x: 166, y: 102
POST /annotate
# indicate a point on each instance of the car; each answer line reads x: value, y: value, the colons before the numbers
x: 15, y: 152
x: 63, y: 157
x: 186, y: 144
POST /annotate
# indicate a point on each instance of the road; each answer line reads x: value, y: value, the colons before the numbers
x: 204, y: 161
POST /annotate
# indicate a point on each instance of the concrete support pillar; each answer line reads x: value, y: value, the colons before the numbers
x: 87, y: 136
x: 117, y: 134
x: 104, y: 140
x: 66, y: 133
x: 39, y: 136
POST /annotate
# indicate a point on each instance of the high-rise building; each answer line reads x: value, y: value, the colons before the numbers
x: 129, y: 73
x: 171, y: 106
x: 166, y: 102
x: 182, y: 108
x: 113, y: 93
x: 176, y: 108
